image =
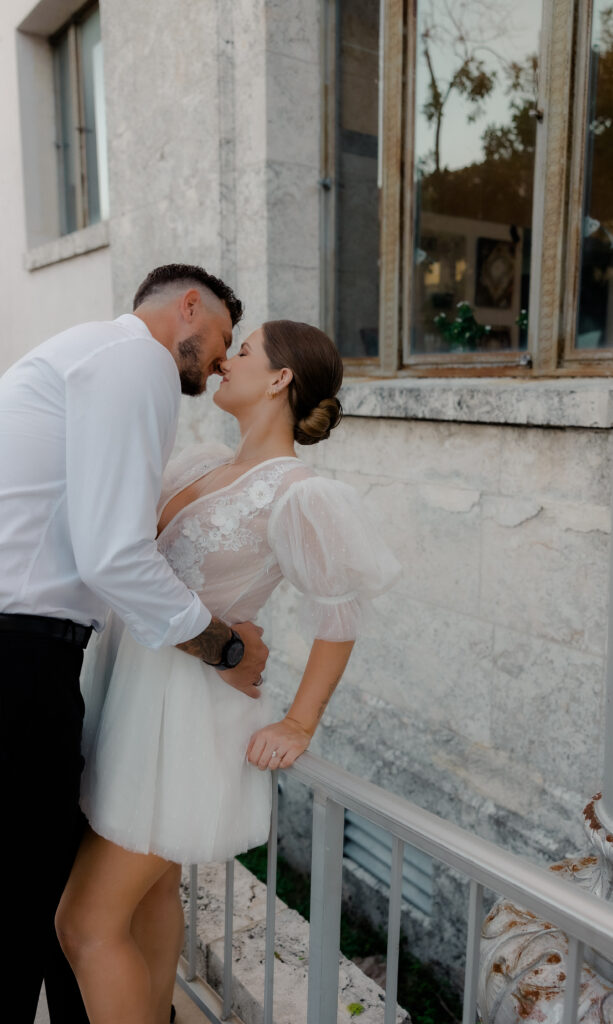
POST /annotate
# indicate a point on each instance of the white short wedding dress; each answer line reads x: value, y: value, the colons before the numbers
x: 164, y: 736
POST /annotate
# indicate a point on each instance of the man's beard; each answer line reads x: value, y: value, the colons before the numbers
x: 193, y: 381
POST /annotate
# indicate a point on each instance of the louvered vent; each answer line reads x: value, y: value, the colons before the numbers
x: 370, y: 848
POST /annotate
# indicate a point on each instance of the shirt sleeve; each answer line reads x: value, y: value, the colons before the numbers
x: 121, y: 412
x: 331, y: 551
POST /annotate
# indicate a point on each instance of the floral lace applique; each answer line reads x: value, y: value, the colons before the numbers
x: 229, y: 517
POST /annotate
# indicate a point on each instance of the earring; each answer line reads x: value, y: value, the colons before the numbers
x: 271, y: 392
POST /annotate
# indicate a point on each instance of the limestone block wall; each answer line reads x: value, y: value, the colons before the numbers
x: 480, y: 694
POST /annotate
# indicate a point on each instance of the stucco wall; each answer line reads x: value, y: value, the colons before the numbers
x: 35, y: 303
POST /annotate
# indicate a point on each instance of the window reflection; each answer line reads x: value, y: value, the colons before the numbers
x: 357, y: 201
x: 476, y: 80
x: 595, y: 315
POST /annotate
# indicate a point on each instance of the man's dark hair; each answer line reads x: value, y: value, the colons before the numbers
x: 171, y: 273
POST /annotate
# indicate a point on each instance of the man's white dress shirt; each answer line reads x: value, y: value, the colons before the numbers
x: 87, y: 423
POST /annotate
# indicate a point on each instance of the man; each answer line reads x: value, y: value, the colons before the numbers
x: 87, y: 423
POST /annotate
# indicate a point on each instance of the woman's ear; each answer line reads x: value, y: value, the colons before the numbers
x: 282, y: 379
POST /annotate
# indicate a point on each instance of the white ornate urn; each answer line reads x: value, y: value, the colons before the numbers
x: 522, y: 976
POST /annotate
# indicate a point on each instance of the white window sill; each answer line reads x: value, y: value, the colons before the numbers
x: 539, y: 403
x: 65, y: 248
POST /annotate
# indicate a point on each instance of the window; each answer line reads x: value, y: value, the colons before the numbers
x: 80, y: 122
x: 459, y: 235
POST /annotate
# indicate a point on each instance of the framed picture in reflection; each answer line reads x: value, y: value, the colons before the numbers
x: 495, y: 273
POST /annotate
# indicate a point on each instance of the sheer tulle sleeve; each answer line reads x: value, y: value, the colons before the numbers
x: 330, y: 550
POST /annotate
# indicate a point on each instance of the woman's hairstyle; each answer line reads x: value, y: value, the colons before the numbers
x: 317, y: 375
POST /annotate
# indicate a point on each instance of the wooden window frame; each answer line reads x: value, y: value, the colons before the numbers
x: 557, y: 201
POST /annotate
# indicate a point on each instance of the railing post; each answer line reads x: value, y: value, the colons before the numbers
x: 227, y: 942
x: 473, y: 946
x: 393, y: 932
x: 325, y: 926
x: 193, y: 921
x: 271, y: 896
x: 574, y: 965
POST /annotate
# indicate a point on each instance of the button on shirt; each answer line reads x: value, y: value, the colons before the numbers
x: 87, y: 423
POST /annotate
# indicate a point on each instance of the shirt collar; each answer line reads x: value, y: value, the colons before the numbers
x: 134, y: 325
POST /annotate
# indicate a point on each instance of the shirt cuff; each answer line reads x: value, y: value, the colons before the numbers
x: 186, y: 625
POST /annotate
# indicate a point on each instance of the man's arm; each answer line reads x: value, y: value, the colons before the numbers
x: 121, y: 409
x: 209, y: 645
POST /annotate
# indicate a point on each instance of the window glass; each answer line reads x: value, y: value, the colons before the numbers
x: 357, y: 199
x: 93, y: 118
x: 67, y: 137
x: 475, y: 130
x: 595, y: 310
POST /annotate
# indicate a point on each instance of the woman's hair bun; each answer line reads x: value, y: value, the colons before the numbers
x: 317, y: 374
x: 318, y: 423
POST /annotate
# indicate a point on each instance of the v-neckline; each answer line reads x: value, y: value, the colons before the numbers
x: 218, y: 490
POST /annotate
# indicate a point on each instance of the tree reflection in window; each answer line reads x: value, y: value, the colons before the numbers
x: 476, y: 83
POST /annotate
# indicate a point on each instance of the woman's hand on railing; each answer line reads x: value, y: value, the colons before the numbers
x: 277, y: 745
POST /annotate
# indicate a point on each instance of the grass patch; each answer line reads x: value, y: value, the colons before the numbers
x: 428, y: 998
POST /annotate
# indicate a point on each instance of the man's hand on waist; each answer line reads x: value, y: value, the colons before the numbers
x: 209, y: 647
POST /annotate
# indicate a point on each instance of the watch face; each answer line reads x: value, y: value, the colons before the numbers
x: 234, y: 652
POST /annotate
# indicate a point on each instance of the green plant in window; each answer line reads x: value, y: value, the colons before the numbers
x: 463, y: 333
x: 522, y: 320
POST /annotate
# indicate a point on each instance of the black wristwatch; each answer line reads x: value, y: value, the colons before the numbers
x: 231, y: 653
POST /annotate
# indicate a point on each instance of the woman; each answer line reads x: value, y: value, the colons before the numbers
x: 166, y: 779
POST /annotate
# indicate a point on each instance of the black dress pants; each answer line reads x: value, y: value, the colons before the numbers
x: 41, y: 719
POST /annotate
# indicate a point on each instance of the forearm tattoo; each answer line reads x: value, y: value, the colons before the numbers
x: 324, y: 703
x: 209, y: 644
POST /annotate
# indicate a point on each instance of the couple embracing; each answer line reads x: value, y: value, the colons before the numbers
x: 168, y: 563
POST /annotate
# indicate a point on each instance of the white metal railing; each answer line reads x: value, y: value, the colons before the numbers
x: 586, y: 920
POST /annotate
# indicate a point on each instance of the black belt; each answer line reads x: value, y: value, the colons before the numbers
x: 58, y: 629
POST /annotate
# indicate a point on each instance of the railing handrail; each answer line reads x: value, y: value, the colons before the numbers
x: 566, y: 906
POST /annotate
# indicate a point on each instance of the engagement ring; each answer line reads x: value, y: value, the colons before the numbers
x: 274, y: 753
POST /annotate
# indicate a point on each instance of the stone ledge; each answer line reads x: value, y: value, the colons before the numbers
x: 291, y: 954
x: 65, y: 248
x: 538, y: 403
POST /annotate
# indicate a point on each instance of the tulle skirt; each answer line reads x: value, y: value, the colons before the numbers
x: 164, y: 743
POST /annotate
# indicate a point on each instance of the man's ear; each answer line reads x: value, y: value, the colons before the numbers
x: 188, y: 304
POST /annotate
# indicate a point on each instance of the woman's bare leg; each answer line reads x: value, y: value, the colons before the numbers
x: 157, y: 928
x: 93, y: 922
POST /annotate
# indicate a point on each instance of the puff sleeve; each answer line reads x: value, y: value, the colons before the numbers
x: 330, y: 550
